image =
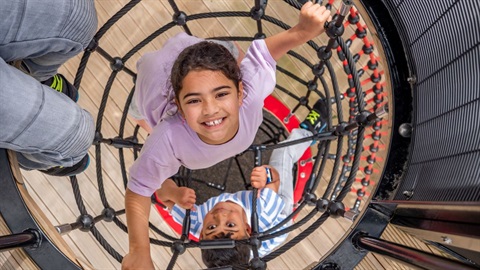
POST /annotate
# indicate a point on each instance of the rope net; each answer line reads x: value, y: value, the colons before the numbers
x: 334, y: 178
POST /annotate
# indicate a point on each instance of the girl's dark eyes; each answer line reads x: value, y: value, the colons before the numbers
x: 230, y: 224
x: 211, y: 227
x: 219, y: 95
x: 223, y: 94
x: 193, y: 101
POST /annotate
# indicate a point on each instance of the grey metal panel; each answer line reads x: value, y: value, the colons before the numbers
x: 442, y: 42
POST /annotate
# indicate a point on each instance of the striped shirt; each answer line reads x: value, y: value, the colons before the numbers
x: 269, y: 209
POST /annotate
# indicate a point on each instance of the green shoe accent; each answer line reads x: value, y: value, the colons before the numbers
x: 61, y: 85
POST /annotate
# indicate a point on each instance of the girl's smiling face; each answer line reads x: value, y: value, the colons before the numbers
x: 210, y: 104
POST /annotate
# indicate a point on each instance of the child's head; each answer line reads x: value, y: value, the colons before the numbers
x: 208, y: 91
x: 226, y: 220
x: 204, y: 55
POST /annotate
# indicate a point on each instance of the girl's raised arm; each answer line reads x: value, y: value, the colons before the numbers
x: 310, y: 25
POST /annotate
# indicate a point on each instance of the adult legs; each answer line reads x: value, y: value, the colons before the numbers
x: 283, y: 159
x: 44, y: 34
x: 44, y: 127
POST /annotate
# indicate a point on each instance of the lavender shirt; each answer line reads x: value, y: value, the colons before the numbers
x: 172, y: 142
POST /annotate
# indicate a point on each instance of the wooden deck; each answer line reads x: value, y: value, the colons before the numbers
x: 54, y: 195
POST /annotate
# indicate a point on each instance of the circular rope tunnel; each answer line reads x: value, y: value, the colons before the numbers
x: 340, y: 183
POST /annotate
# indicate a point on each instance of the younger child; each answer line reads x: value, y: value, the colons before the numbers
x: 219, y: 105
x: 228, y: 215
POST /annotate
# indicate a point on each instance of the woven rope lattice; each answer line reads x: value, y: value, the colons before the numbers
x: 342, y: 151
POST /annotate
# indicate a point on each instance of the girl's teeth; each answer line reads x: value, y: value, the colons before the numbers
x: 213, y: 123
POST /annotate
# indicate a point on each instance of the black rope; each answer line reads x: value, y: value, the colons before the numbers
x: 355, y: 164
x: 98, y: 129
x: 173, y: 260
x: 254, y: 213
x: 301, y: 58
x: 227, y: 173
x: 260, y: 9
x: 353, y: 70
x: 93, y: 230
x: 336, y: 164
x: 77, y: 195
x: 269, y: 235
x: 81, y: 69
x: 297, y: 238
x: 218, y: 14
x: 121, y: 133
x: 294, y: 3
x: 97, y: 37
x: 360, y: 134
x: 120, y: 224
x: 242, y: 174
x: 351, y: 142
x: 147, y: 40
x: 162, y: 233
x: 268, y: 128
x: 177, y: 14
x: 117, y: 16
x: 286, y: 91
x: 315, y: 176
x: 160, y: 243
x: 106, y: 245
x: 322, y: 165
x: 338, y: 154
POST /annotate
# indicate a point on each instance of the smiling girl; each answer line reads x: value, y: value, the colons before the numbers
x: 215, y: 113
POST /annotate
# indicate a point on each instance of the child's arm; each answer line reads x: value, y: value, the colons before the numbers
x: 258, y: 178
x: 170, y: 194
x: 310, y: 25
x: 137, y: 211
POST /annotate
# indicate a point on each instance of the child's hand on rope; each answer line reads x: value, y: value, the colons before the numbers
x: 185, y: 197
x: 310, y: 24
x: 258, y: 178
x: 171, y: 194
x: 312, y: 20
x: 265, y: 177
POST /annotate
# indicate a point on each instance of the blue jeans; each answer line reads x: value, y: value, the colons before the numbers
x: 44, y: 127
x: 283, y: 159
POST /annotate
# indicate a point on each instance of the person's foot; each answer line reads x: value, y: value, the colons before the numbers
x: 59, y: 83
x: 69, y: 171
x: 316, y: 120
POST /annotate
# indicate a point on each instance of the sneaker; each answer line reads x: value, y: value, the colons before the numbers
x: 69, y: 171
x: 59, y: 83
x: 316, y: 120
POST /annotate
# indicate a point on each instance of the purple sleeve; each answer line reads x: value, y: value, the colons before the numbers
x: 258, y: 71
x: 155, y: 164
